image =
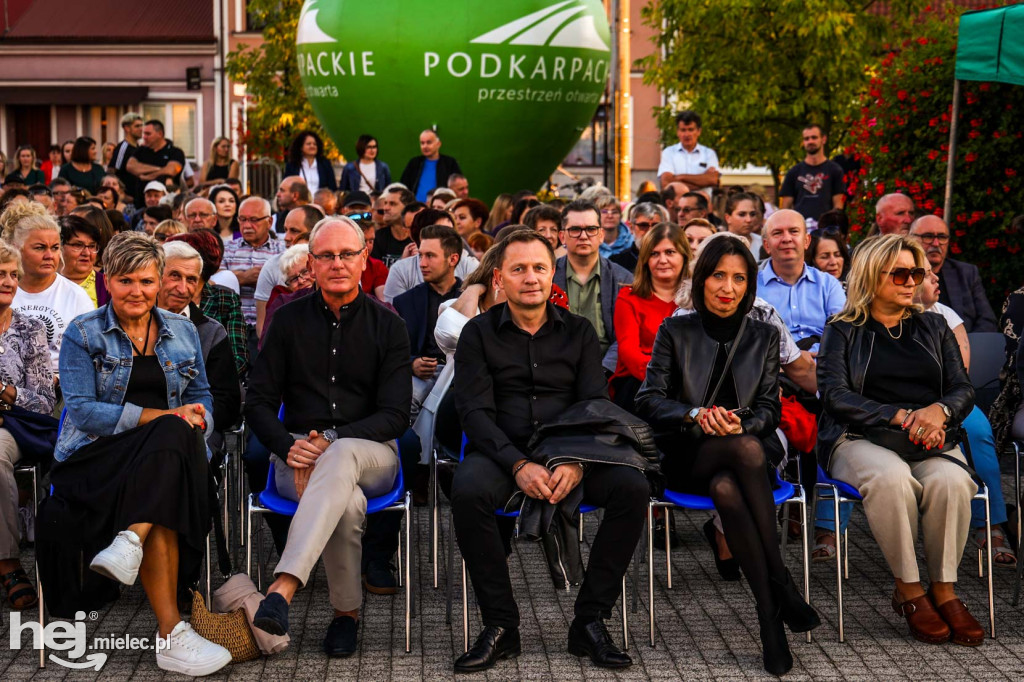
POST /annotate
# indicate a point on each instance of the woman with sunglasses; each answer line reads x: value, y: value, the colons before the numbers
x: 894, y: 391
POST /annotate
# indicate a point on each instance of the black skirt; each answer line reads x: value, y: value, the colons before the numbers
x: 156, y: 473
x: 681, y: 453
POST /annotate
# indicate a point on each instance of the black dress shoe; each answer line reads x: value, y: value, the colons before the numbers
x: 592, y: 639
x: 796, y: 613
x: 379, y: 577
x: 659, y: 531
x: 340, y: 640
x: 272, y: 615
x: 729, y: 569
x: 493, y: 644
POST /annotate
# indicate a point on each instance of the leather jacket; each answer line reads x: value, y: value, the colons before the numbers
x: 679, y: 375
x: 844, y: 361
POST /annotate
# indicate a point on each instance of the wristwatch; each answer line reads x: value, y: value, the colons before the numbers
x: 330, y: 435
x: 945, y: 410
x: 692, y: 414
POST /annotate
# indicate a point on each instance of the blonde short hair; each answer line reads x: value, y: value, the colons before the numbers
x: 9, y: 254
x: 169, y: 227
x: 22, y: 217
x: 129, y: 252
x: 871, y: 259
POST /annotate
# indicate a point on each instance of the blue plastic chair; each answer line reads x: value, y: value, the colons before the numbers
x: 841, y: 491
x: 784, y: 492
x: 270, y: 501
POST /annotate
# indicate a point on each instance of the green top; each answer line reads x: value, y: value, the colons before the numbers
x: 989, y: 47
x: 34, y: 177
x: 585, y: 300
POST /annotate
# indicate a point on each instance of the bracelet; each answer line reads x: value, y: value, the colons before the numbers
x: 519, y: 467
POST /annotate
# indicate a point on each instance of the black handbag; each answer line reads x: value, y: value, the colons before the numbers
x: 897, y: 440
x: 34, y: 432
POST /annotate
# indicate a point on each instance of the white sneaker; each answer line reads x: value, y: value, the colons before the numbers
x: 121, y: 560
x: 191, y: 654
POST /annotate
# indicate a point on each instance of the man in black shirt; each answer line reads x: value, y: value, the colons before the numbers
x: 392, y: 239
x: 339, y: 362
x: 155, y: 159
x: 131, y: 124
x: 814, y: 185
x: 517, y: 366
x: 440, y: 249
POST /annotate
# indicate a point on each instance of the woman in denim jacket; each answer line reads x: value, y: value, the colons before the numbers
x: 129, y: 457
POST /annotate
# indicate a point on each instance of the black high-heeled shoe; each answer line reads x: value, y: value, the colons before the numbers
x: 797, y: 613
x: 729, y: 569
x: 776, y: 656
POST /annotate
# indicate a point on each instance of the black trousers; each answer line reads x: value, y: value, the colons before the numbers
x: 481, y: 486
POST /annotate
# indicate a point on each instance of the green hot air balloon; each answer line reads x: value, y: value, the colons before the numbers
x: 509, y: 84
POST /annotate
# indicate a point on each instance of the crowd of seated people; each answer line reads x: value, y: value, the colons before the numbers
x: 385, y: 318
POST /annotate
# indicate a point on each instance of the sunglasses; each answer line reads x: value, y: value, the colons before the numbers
x: 901, y: 275
x: 363, y: 215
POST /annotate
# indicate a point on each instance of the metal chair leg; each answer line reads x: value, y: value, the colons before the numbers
x: 408, y: 570
x: 581, y: 527
x: 450, y: 573
x: 785, y: 528
x: 802, y: 504
x: 988, y: 545
x: 846, y: 551
x: 650, y: 567
x: 668, y: 547
x: 433, y: 513
x: 400, y: 564
x: 209, y: 570
x: 42, y: 610
x: 839, y: 563
x: 625, y: 620
x: 465, y: 610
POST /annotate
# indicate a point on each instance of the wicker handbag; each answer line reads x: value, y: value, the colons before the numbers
x: 230, y: 630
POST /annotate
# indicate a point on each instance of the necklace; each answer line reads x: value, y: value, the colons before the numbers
x: 145, y: 344
x: 10, y: 318
x: 890, y: 333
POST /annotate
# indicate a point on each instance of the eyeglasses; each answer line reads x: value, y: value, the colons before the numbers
x: 901, y: 275
x: 201, y: 216
x: 381, y: 211
x: 79, y: 246
x: 933, y: 237
x: 364, y: 215
x: 591, y: 230
x: 610, y: 211
x: 295, y: 278
x: 371, y: 146
x: 61, y: 193
x: 252, y: 221
x: 345, y: 256
x: 643, y: 226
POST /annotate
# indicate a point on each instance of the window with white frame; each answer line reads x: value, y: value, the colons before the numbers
x: 179, y: 119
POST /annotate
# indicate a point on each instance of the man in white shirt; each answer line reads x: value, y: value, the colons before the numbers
x: 690, y: 163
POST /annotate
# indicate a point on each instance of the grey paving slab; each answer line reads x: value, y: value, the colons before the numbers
x: 706, y: 628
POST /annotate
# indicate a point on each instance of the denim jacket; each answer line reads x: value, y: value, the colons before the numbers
x: 96, y: 362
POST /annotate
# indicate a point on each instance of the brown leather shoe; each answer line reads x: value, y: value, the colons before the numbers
x: 966, y: 629
x: 925, y: 622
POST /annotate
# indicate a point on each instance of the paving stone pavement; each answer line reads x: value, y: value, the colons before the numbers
x: 706, y: 628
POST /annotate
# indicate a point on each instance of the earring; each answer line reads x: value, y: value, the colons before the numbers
x: 495, y: 294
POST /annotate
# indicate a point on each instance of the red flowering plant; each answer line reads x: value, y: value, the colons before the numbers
x: 901, y: 142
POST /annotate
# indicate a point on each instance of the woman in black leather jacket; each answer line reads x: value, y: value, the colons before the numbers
x: 715, y: 451
x: 885, y: 364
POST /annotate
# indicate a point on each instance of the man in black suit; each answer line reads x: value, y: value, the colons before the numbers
x: 429, y: 170
x: 960, y: 285
x: 439, y: 253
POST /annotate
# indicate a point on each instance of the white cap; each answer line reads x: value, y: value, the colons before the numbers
x: 154, y: 185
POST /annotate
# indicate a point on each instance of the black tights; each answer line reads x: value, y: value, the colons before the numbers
x: 733, y: 471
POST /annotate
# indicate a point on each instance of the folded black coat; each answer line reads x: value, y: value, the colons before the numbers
x: 593, y: 432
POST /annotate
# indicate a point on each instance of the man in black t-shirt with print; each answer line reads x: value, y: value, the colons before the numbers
x: 155, y: 159
x: 814, y: 185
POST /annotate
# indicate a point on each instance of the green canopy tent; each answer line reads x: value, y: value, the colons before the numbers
x: 989, y: 48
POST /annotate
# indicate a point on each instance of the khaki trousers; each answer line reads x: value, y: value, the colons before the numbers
x: 9, y: 534
x: 898, y: 496
x: 331, y: 514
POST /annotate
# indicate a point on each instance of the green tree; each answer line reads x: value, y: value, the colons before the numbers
x: 900, y: 139
x: 277, y: 107
x: 757, y: 71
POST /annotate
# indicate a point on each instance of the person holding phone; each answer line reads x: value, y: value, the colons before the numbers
x: 712, y: 392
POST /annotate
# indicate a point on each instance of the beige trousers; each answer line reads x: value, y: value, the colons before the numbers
x: 332, y: 511
x: 898, y: 496
x: 9, y: 535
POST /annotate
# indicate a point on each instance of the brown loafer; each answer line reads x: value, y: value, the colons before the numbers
x: 966, y: 629
x: 925, y: 622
